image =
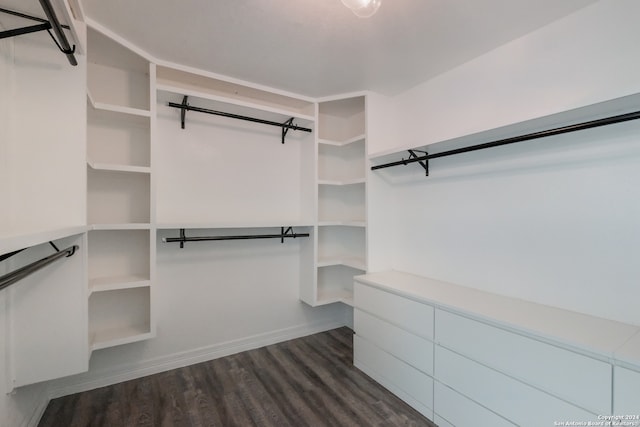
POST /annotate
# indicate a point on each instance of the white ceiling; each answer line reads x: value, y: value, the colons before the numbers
x: 318, y: 47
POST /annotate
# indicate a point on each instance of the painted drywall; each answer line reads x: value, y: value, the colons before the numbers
x: 19, y: 408
x: 555, y: 221
x: 48, y: 137
x: 585, y: 58
x: 6, y: 87
x: 42, y: 169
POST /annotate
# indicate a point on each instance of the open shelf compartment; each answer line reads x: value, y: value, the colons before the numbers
x: 118, y: 258
x: 115, y: 75
x: 119, y: 316
x: 116, y: 197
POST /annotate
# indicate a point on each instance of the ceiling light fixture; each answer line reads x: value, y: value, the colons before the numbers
x: 363, y: 8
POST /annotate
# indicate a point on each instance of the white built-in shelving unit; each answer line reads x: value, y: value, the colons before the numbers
x: 341, y: 187
x: 222, y: 176
x: 238, y: 173
x: 121, y: 240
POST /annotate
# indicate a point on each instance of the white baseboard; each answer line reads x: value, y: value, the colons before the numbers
x: 93, y: 380
x: 37, y: 412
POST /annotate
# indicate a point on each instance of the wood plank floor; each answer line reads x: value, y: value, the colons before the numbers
x: 309, y: 381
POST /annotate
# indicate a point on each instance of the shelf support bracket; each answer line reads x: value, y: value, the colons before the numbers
x: 423, y: 163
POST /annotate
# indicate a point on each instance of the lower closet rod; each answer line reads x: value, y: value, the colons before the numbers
x: 21, y: 273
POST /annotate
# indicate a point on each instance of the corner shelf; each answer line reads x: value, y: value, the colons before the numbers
x: 121, y: 239
x: 119, y: 316
x: 354, y: 139
x: 113, y: 167
x: 115, y: 108
x: 341, y: 189
x: 103, y: 284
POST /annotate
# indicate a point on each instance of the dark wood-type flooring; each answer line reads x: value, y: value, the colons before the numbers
x: 309, y: 381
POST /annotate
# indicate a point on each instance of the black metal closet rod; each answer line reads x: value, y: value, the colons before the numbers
x: 21, y: 273
x: 239, y: 117
x: 535, y: 135
x: 52, y: 24
x: 286, y: 126
x: 63, y: 43
x: 284, y: 234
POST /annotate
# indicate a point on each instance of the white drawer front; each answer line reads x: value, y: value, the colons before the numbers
x: 455, y: 410
x: 408, y: 314
x: 626, y: 393
x: 414, y: 350
x: 416, y: 384
x: 515, y: 401
x: 571, y: 376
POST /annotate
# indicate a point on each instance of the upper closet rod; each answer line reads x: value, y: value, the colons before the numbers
x: 52, y: 24
x: 21, y: 273
x: 284, y: 234
x: 535, y: 135
x: 286, y: 126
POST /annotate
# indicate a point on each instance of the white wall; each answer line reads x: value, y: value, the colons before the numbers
x: 42, y: 138
x: 46, y: 144
x: 553, y: 221
x: 583, y: 59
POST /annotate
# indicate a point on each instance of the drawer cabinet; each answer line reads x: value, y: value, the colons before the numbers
x: 576, y: 378
x: 455, y: 410
x: 411, y: 385
x: 475, y: 359
x: 405, y: 313
x: 414, y: 350
x: 518, y: 402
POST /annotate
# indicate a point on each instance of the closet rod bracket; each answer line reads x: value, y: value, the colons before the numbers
x: 424, y: 163
x: 183, y: 110
x: 44, y: 25
x: 286, y: 126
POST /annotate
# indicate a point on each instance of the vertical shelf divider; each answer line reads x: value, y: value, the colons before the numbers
x: 341, y: 189
x: 120, y: 192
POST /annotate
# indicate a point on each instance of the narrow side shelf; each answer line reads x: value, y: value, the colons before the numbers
x: 357, y: 138
x: 113, y: 167
x: 103, y: 284
x: 353, y: 181
x: 353, y: 262
x: 115, y: 108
